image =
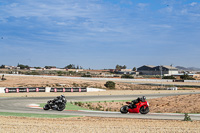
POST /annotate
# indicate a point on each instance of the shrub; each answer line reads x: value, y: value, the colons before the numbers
x: 169, y: 77
x: 110, y: 85
x: 86, y: 75
x: 128, y: 76
x: 32, y: 73
x: 100, y: 106
x: 60, y: 73
x: 186, y: 77
x: 187, y: 117
x: 89, y: 105
x: 80, y: 103
x: 75, y: 84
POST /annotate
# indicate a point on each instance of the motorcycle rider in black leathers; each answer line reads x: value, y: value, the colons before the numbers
x: 142, y: 99
x: 58, y: 98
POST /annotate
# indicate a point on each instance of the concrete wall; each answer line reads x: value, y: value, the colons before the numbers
x: 2, y: 89
x: 48, y: 89
x: 94, y: 89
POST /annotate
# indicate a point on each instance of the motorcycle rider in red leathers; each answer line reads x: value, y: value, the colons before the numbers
x: 142, y: 99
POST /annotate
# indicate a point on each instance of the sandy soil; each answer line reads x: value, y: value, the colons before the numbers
x: 172, y: 83
x: 31, y: 81
x: 94, y: 125
x: 108, y: 92
x: 171, y: 104
x: 176, y: 104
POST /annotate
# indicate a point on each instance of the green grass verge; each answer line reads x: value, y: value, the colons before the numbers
x: 69, y: 106
x: 35, y: 115
x: 107, y: 101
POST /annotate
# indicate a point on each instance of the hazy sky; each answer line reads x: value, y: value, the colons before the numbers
x: 100, y: 33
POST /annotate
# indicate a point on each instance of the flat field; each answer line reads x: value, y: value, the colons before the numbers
x: 35, y: 81
x: 31, y: 81
x: 94, y: 125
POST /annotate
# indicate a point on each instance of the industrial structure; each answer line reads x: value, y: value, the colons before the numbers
x: 157, y: 70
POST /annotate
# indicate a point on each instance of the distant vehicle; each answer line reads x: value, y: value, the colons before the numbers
x: 142, y: 106
x: 59, y: 103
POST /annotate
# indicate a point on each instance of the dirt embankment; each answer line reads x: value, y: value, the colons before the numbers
x: 171, y: 104
x: 94, y: 125
x: 176, y: 104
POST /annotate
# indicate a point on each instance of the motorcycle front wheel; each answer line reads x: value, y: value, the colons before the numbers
x: 61, y: 107
x: 124, y: 109
x: 46, y: 107
x: 144, y: 110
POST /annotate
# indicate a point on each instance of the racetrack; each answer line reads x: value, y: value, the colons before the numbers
x: 20, y: 105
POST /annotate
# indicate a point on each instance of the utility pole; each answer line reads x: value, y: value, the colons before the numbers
x: 161, y: 71
x: 161, y: 75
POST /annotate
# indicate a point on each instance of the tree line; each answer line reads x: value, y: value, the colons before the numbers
x: 119, y: 67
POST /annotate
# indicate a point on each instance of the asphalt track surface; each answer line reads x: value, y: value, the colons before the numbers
x: 20, y: 105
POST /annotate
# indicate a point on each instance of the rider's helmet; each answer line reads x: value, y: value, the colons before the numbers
x: 143, y: 98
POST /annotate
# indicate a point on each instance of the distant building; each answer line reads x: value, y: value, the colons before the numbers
x: 74, y: 70
x: 8, y: 67
x: 39, y: 69
x: 120, y: 70
x: 11, y: 67
x: 112, y: 70
x: 157, y: 70
x: 126, y: 71
x: 32, y: 68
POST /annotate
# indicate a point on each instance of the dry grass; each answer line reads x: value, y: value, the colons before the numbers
x: 176, y: 104
x: 31, y: 81
x: 94, y: 125
x: 108, y: 92
x: 171, y: 104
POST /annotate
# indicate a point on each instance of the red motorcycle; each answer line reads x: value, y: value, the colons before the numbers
x: 140, y: 107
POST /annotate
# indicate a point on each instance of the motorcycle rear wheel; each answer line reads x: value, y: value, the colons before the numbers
x: 124, y: 109
x: 46, y: 107
x: 144, y: 110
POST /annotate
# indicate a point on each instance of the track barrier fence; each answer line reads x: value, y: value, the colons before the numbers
x: 41, y: 89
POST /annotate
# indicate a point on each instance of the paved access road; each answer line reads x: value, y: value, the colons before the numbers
x: 20, y: 105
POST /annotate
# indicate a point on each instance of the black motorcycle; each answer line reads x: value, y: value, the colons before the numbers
x: 56, y: 104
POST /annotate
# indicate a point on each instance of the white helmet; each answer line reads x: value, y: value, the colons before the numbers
x: 144, y: 98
